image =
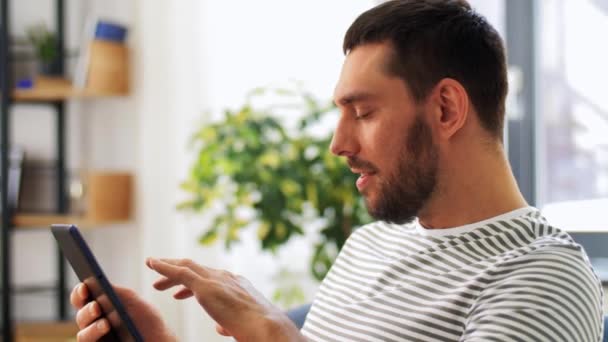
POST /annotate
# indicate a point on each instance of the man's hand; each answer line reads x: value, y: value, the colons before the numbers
x: 239, y: 310
x: 145, y: 317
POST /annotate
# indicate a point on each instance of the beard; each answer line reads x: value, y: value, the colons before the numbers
x: 403, y: 193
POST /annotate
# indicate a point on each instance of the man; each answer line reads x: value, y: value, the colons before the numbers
x: 457, y: 254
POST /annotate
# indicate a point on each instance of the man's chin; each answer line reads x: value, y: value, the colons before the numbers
x: 369, y: 204
x: 380, y: 213
x: 373, y: 210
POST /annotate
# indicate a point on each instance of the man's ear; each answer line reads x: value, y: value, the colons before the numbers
x: 450, y: 103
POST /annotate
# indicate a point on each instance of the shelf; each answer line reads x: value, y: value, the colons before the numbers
x: 57, y: 89
x: 26, y: 290
x: 31, y: 221
x: 46, y: 331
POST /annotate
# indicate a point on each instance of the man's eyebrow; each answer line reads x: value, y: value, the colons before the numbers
x: 353, y: 97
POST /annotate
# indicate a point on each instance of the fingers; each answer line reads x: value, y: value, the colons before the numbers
x: 220, y: 330
x: 91, y: 328
x: 79, y: 296
x: 94, y: 332
x: 183, y: 293
x: 88, y: 314
x: 198, y: 269
x: 164, y: 283
x: 184, y: 274
x: 125, y: 293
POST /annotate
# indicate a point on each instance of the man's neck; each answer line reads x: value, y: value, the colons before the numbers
x: 472, y: 191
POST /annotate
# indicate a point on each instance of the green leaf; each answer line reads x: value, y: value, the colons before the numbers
x: 209, y: 238
x: 263, y: 231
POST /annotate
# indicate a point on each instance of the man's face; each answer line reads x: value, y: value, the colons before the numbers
x: 384, y: 136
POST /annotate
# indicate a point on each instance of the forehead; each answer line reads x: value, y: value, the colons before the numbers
x: 365, y: 72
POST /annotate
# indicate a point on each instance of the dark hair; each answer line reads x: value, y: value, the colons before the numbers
x: 434, y: 39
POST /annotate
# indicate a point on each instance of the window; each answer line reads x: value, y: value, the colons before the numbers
x: 572, y: 69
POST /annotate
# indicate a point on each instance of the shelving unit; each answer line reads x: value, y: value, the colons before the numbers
x: 33, y: 221
x: 48, y: 89
x: 52, y: 92
x: 7, y: 215
x: 39, y: 332
x: 5, y: 271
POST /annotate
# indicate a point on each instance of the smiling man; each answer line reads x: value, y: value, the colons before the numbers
x: 456, y: 254
x: 383, y: 134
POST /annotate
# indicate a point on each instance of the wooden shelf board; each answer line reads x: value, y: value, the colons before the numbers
x: 29, y: 221
x: 46, y: 331
x: 56, y: 89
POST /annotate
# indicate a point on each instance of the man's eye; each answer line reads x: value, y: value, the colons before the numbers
x: 363, y: 114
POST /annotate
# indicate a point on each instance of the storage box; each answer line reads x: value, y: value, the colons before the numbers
x: 46, y: 332
x: 108, y: 196
x: 108, y: 68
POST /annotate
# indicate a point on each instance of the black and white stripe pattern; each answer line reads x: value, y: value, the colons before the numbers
x: 511, y: 278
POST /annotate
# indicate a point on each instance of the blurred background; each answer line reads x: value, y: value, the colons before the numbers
x: 140, y: 81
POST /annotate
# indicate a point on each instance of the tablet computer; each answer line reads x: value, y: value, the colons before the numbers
x: 82, y: 260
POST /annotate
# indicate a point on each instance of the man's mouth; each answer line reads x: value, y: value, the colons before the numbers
x: 366, y: 170
x: 364, y: 179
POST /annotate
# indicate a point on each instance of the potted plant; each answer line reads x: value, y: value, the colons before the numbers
x: 252, y: 161
x: 46, y: 47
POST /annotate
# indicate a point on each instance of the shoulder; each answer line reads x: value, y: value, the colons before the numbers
x: 551, y: 276
x: 553, y: 257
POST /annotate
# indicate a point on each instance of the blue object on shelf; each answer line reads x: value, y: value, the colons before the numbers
x: 25, y: 83
x: 106, y: 30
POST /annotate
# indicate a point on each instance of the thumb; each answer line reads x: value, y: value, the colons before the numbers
x: 220, y: 330
x: 124, y: 292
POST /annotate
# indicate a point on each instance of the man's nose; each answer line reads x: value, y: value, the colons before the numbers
x: 344, y: 142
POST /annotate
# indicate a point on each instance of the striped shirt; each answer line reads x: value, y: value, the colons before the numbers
x: 509, y: 278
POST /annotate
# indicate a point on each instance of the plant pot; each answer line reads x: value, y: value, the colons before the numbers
x: 52, y: 68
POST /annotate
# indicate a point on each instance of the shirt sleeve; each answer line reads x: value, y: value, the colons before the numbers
x: 550, y: 294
